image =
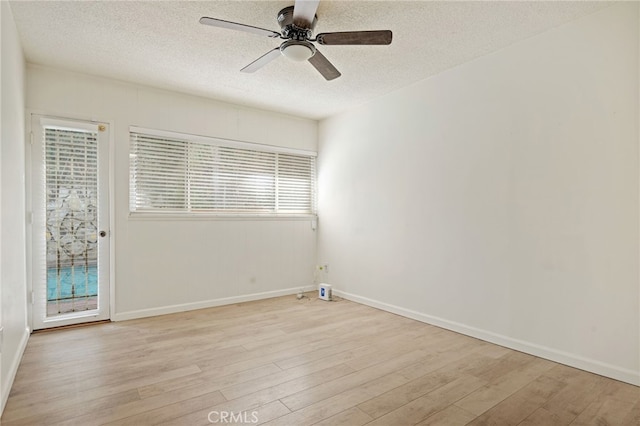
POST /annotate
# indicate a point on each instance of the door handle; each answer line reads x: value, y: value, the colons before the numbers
x: 103, y: 234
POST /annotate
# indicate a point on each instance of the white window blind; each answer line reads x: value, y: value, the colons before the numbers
x: 177, y: 173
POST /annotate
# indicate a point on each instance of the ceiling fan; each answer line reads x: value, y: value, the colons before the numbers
x: 296, y: 28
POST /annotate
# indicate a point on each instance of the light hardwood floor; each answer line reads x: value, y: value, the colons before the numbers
x: 284, y: 361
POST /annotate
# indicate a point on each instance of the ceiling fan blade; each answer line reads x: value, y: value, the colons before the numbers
x: 262, y: 60
x: 304, y: 12
x: 239, y: 27
x: 324, y: 67
x: 355, y: 37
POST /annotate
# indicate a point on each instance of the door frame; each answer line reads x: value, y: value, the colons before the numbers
x: 110, y: 151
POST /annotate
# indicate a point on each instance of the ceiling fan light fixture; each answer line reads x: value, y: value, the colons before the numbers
x: 297, y: 50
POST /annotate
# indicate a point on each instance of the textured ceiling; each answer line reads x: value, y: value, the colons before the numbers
x: 161, y: 43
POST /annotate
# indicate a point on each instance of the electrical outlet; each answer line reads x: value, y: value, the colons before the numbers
x: 325, y: 267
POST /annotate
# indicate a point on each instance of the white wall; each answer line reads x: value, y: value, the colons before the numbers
x: 170, y: 265
x: 500, y: 198
x: 13, y: 280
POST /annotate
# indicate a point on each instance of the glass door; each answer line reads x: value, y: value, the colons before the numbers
x: 70, y: 222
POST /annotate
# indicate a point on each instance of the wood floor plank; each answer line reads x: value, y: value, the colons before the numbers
x: 43, y: 401
x: 356, y: 339
x: 206, y: 386
x: 607, y: 412
x: 299, y: 362
x: 326, y: 390
x: 350, y: 417
x: 450, y: 416
x: 263, y: 397
x: 437, y: 360
x: 59, y: 413
x: 582, y: 389
x: 503, y: 386
x: 127, y: 369
x: 521, y: 404
x: 280, y: 377
x: 633, y: 418
x: 543, y: 417
x: 255, y: 416
x: 422, y: 408
x: 171, y: 411
x: 328, y: 407
x: 204, y: 379
x: 404, y: 394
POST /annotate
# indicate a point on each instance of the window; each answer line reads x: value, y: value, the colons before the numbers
x: 176, y: 173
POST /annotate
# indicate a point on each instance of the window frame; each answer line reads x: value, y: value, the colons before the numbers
x: 209, y: 214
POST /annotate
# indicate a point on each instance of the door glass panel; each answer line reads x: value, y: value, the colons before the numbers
x: 71, y: 220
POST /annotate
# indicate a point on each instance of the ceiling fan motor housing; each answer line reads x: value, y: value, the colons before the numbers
x: 290, y: 29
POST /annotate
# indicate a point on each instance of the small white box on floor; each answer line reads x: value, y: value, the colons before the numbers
x: 324, y: 291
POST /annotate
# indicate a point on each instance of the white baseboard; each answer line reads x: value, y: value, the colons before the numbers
x: 172, y: 309
x: 13, y: 368
x: 572, y: 360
